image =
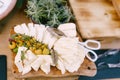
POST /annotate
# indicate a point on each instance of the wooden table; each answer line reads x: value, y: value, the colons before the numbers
x: 98, y: 20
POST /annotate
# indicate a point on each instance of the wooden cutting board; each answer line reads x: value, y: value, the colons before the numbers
x: 88, y: 68
x: 96, y: 18
x: 85, y: 69
x: 116, y: 4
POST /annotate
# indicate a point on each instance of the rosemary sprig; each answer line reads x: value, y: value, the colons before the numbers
x: 49, y: 12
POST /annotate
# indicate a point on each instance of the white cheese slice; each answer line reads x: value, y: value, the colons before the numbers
x: 37, y: 26
x: 46, y: 62
x: 67, y: 26
x: 25, y: 29
x: 19, y: 66
x: 46, y: 36
x: 29, y: 57
x: 70, y: 33
x: 45, y: 67
x: 60, y: 66
x: 43, y: 62
x: 31, y: 29
x: 69, y: 29
x: 36, y: 64
x: 26, y: 69
x: 18, y: 61
x: 70, y: 53
x: 52, y: 41
x: 18, y: 29
x: 72, y: 66
x: 40, y: 32
x: 47, y: 58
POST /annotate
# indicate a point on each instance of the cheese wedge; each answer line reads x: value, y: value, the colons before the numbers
x: 26, y: 69
x: 43, y: 62
x: 40, y: 32
x: 25, y: 29
x: 29, y: 57
x: 47, y: 37
x: 37, y: 63
x: 69, y: 29
x: 60, y: 66
x: 52, y: 41
x: 18, y: 29
x: 45, y: 67
x: 31, y: 29
x: 18, y: 61
x: 71, y: 54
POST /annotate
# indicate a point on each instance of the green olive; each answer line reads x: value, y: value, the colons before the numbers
x: 46, y: 51
x: 20, y: 36
x: 44, y: 46
x: 31, y: 43
x: 38, y: 51
x: 15, y: 50
x: 32, y: 49
x: 20, y: 43
x: 33, y: 40
x: 28, y: 43
x: 30, y: 40
x: 39, y: 44
x: 16, y: 38
x: 12, y: 45
x: 14, y: 35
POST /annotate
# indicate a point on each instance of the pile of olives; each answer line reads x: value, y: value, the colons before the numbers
x: 18, y: 40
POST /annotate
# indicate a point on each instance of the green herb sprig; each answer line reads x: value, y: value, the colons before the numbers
x: 49, y: 12
x: 22, y: 55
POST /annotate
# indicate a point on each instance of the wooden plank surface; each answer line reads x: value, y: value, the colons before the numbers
x: 19, y: 18
x: 96, y: 18
x: 116, y: 4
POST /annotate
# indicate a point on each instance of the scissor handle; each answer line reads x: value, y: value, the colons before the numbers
x: 89, y: 57
x: 92, y: 41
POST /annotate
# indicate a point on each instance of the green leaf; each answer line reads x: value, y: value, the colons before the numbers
x: 14, y: 35
x: 22, y: 55
x: 15, y: 50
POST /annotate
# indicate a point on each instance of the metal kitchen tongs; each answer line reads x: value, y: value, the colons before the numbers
x: 89, y: 49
